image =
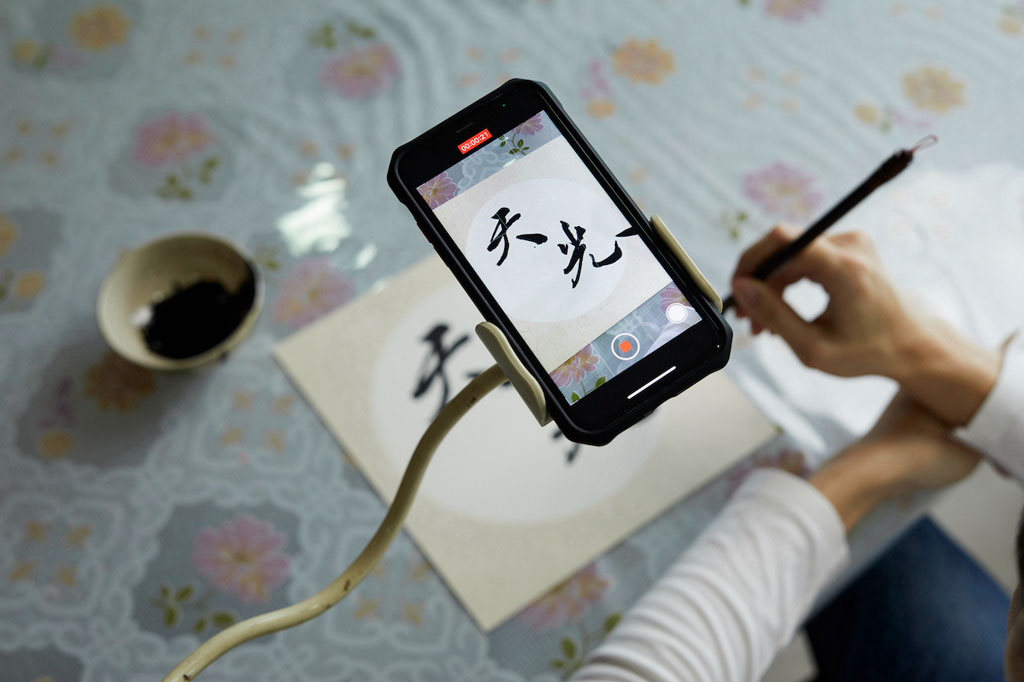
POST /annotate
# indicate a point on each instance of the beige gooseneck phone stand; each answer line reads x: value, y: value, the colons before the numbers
x: 507, y: 366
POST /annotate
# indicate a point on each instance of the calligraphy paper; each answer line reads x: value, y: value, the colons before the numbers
x: 507, y: 509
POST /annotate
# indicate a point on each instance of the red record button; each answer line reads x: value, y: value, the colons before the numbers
x: 625, y: 346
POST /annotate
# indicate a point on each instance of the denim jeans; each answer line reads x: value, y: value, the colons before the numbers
x: 923, y: 611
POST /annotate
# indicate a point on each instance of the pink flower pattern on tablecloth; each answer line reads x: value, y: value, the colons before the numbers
x: 575, y: 368
x: 174, y: 137
x: 242, y: 557
x: 311, y: 289
x: 598, y: 92
x: 783, y: 191
x: 793, y: 10
x: 360, y: 72
x: 567, y: 601
x: 438, y: 190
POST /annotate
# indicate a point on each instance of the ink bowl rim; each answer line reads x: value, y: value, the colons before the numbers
x: 108, y: 319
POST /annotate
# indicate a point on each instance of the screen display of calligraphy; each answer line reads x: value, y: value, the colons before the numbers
x: 558, y: 256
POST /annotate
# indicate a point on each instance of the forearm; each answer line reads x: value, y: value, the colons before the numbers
x: 736, y: 596
x: 946, y: 373
x: 845, y: 483
x: 908, y: 450
x: 855, y: 484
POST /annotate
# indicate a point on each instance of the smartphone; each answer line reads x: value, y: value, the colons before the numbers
x: 553, y: 251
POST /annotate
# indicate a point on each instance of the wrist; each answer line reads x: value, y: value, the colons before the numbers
x: 856, y: 482
x: 945, y: 372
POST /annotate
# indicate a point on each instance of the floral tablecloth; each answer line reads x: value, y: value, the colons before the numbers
x: 142, y: 512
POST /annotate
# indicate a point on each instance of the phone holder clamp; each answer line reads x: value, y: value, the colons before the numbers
x: 526, y: 384
x: 684, y: 258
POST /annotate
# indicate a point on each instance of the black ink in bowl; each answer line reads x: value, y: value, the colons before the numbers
x: 195, y: 318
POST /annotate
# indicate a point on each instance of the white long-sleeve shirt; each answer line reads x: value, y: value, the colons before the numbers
x: 739, y: 593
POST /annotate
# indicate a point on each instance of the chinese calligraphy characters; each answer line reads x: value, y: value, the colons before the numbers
x: 578, y: 250
x: 575, y: 248
x: 500, y: 234
x: 434, y: 369
x: 435, y: 361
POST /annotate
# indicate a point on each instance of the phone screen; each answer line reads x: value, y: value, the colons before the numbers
x: 563, y: 262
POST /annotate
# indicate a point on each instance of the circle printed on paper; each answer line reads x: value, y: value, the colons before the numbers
x: 531, y: 283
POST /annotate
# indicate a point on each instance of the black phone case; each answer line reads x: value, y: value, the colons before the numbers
x: 432, y: 230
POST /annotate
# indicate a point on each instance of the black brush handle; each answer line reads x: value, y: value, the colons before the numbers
x: 889, y: 169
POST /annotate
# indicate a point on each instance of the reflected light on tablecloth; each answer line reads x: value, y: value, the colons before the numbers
x: 365, y: 256
x: 319, y: 225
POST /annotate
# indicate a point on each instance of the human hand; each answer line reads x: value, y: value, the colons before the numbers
x: 866, y: 328
x: 908, y: 450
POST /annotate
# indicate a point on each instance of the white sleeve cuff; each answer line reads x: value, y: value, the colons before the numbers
x: 997, y: 430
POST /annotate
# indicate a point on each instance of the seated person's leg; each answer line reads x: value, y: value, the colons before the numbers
x: 923, y: 611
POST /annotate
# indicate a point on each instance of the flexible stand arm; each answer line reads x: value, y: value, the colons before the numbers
x: 510, y: 368
x: 310, y: 608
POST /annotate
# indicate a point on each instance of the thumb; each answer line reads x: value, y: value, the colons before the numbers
x: 767, y: 308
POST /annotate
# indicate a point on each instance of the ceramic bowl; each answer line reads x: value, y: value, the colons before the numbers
x: 150, y: 273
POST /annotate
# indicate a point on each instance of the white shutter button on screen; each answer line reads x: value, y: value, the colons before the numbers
x: 676, y: 313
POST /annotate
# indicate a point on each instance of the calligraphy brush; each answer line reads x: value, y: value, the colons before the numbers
x: 889, y: 169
